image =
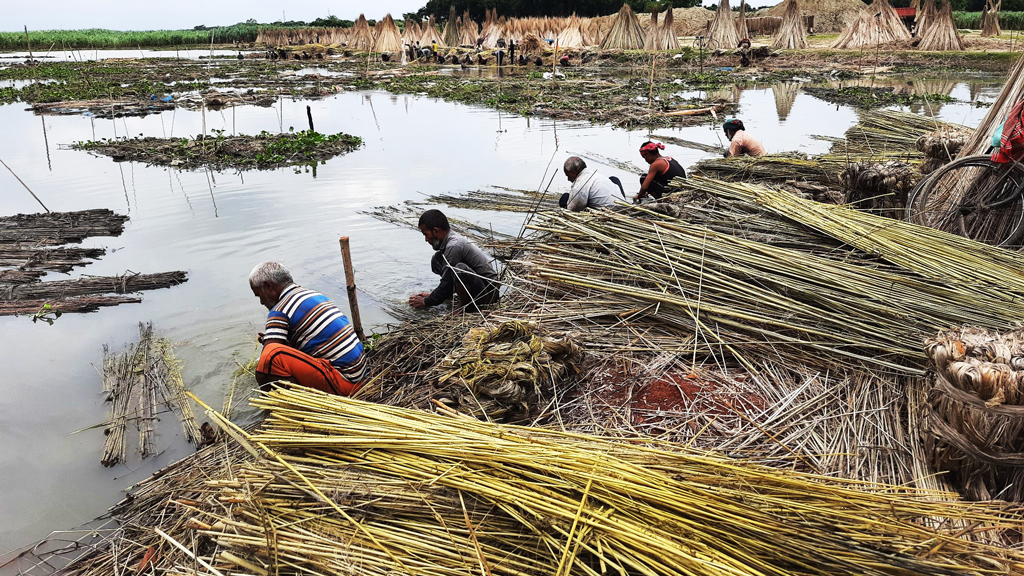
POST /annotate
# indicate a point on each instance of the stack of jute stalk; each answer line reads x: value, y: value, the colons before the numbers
x: 469, y: 29
x: 941, y: 33
x: 136, y: 382
x: 388, y: 39
x: 1011, y: 93
x: 452, y: 35
x: 723, y: 28
x: 877, y: 24
x: 863, y: 291
x: 573, y: 34
x: 343, y: 485
x: 361, y: 36
x: 990, y: 18
x: 974, y: 417
x: 741, y: 22
x: 793, y: 34
x: 625, y: 32
x: 924, y: 17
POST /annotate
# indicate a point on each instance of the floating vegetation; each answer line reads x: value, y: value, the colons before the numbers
x: 874, y: 97
x: 263, y: 151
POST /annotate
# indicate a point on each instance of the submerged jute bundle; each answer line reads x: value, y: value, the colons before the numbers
x: 502, y: 373
x: 974, y: 420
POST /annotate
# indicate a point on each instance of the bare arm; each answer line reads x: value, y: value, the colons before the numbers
x: 657, y: 167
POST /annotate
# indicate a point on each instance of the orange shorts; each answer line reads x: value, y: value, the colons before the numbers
x: 282, y: 361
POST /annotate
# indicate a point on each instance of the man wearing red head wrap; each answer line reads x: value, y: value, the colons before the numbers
x: 663, y: 169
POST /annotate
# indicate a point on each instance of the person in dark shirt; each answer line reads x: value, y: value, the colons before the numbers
x: 464, y: 268
x: 663, y: 169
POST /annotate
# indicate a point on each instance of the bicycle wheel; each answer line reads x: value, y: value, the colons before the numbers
x: 975, y: 198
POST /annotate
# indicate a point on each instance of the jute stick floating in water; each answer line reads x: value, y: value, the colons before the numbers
x: 25, y: 185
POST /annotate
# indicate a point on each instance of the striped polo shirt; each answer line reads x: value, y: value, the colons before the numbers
x: 310, y: 322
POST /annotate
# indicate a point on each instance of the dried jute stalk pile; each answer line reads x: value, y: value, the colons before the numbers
x: 974, y: 417
x: 504, y: 373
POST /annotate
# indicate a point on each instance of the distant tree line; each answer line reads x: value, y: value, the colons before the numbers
x: 523, y: 8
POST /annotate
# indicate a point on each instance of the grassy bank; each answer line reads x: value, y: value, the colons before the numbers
x: 98, y: 38
x: 972, y: 20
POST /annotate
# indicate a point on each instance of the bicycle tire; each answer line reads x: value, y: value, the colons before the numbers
x: 994, y: 212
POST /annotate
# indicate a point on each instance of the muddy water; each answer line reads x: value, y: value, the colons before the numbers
x: 218, y: 225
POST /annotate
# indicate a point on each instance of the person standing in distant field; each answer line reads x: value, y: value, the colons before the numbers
x: 308, y: 340
x: 663, y: 169
x: 740, y: 143
x: 464, y: 268
x: 511, y: 51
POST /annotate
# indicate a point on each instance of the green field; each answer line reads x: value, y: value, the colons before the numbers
x: 972, y: 20
x: 43, y: 40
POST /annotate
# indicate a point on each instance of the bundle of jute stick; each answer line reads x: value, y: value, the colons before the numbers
x: 503, y: 373
x: 941, y: 146
x: 974, y: 417
x: 879, y: 187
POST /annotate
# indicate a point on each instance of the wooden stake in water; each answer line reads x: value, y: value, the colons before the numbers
x: 26, y: 186
x: 309, y: 115
x: 28, y: 44
x: 350, y: 285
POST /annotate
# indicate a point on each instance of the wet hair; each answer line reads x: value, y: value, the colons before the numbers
x: 575, y: 164
x: 434, y: 219
x: 733, y: 125
x: 270, y: 274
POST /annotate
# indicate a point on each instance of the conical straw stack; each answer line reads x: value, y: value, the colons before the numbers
x: 723, y: 29
x: 626, y: 33
x: 792, y: 35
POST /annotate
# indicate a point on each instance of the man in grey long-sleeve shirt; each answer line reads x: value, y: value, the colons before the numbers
x: 464, y: 268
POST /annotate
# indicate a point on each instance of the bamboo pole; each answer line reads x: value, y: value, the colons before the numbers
x: 350, y: 285
x: 26, y: 186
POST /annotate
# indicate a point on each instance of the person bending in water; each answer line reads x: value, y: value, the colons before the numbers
x: 740, y: 142
x: 663, y: 169
x: 464, y: 268
x: 308, y: 340
x: 590, y: 189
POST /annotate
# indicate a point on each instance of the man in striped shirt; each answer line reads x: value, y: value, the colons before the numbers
x: 308, y: 340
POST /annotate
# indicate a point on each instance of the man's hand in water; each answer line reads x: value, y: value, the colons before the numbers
x: 639, y: 196
x: 418, y: 300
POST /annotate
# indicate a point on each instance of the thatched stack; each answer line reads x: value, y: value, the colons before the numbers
x: 924, y: 17
x: 792, y: 35
x: 411, y: 32
x: 941, y: 33
x: 494, y: 30
x: 389, y: 38
x: 741, y: 21
x: 723, y: 28
x: 361, y: 36
x: 452, y: 36
x: 990, y: 18
x: 652, y: 31
x: 877, y: 24
x: 941, y: 147
x: 572, y: 36
x: 592, y: 32
x: 470, y: 31
x: 827, y: 15
x: 669, y: 38
x: 430, y: 34
x: 974, y: 417
x: 625, y: 32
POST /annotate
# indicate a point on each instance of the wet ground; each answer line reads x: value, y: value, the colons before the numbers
x: 217, y: 225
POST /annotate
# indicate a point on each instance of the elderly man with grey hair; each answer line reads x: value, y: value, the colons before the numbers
x: 590, y: 189
x: 308, y: 340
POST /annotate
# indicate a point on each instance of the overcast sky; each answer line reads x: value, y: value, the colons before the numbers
x: 184, y: 14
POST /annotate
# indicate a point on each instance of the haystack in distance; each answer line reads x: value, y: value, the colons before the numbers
x: 625, y: 33
x: 877, y: 24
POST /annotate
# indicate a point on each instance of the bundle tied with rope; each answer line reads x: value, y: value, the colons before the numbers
x: 879, y: 187
x: 973, y: 420
x: 504, y: 373
x: 941, y: 147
